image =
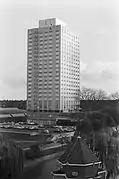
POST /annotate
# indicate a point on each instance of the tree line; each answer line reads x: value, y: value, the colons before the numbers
x: 83, y: 94
x: 21, y: 104
x: 96, y: 94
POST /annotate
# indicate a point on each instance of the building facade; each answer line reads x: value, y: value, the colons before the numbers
x: 53, y: 68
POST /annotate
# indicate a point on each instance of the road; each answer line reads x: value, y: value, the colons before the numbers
x: 40, y: 169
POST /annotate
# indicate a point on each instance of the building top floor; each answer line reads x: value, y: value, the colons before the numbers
x: 51, y: 22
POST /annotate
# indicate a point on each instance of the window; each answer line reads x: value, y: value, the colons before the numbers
x: 57, y: 34
x: 50, y: 55
x: 50, y: 46
x: 50, y: 67
x: 29, y: 31
x: 29, y: 75
x: 30, y: 48
x: 41, y: 43
x: 30, y: 56
x: 57, y: 38
x: 50, y: 38
x: 50, y: 90
x: 57, y: 31
x: 50, y: 81
x: 45, y: 40
x: 50, y: 62
x: 45, y: 46
x: 30, y: 42
x: 57, y: 45
x: 50, y: 50
x: 36, y: 36
x: 41, y: 40
x: 57, y: 59
x: 30, y: 51
x: 29, y: 79
x: 29, y: 67
x: 46, y: 33
x: 30, y: 36
x: 50, y: 77
x: 57, y: 65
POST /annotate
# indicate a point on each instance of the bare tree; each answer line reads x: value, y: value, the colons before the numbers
x: 100, y: 94
x: 114, y: 96
x: 92, y: 94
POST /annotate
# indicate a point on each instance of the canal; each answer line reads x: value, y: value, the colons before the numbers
x: 40, y: 169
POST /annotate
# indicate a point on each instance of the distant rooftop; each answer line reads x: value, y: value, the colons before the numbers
x: 5, y: 109
x: 11, y: 110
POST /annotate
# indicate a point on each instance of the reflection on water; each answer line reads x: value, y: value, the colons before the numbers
x: 40, y: 170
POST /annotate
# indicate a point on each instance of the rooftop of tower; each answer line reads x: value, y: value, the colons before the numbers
x: 51, y: 22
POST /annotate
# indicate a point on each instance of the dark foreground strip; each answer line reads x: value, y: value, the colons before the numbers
x: 39, y: 160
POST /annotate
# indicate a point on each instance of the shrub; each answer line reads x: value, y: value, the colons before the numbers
x: 33, y: 152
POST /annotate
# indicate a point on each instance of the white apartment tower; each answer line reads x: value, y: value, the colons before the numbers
x: 53, y: 67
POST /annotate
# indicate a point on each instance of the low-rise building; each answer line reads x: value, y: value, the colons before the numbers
x: 12, y: 114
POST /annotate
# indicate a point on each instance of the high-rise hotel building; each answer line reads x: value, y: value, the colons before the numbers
x: 53, y: 70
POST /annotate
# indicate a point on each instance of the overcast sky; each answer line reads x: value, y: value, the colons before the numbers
x: 95, y: 21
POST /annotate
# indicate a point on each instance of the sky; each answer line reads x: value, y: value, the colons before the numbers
x: 95, y: 21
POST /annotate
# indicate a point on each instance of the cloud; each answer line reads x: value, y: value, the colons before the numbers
x: 105, y: 32
x: 13, y: 88
x: 98, y: 66
x: 82, y: 66
x: 107, y: 75
x: 101, y: 75
x: 12, y: 83
x: 15, y: 78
